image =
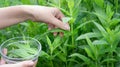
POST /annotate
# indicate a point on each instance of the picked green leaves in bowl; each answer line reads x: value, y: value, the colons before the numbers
x: 20, y: 49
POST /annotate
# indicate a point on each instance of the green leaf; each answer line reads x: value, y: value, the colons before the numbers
x: 26, y: 2
x: 101, y: 29
x: 89, y: 35
x: 73, y: 60
x: 99, y: 42
x: 78, y: 3
x: 109, y: 12
x: 100, y: 3
x: 66, y: 19
x: 114, y: 22
x: 92, y: 47
x: 70, y: 4
x: 83, y: 24
x: 44, y: 54
x: 100, y: 13
x: 50, y: 44
x: 89, y: 53
x: 20, y: 53
x: 21, y: 47
x: 57, y: 42
x: 84, y: 58
x: 42, y: 2
x: 24, y: 24
x: 27, y: 48
x: 65, y: 11
x: 62, y: 56
x: 109, y: 60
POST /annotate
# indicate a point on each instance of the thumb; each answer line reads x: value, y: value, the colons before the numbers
x: 60, y: 24
x: 21, y: 64
x: 25, y: 64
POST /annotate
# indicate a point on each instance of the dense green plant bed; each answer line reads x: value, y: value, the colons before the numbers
x: 93, y: 40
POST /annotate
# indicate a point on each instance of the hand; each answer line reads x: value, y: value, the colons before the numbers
x: 15, y: 14
x: 21, y: 64
x: 50, y: 15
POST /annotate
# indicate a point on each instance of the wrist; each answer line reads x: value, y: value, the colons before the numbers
x: 27, y: 11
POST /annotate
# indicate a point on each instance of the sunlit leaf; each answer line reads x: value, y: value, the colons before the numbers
x: 99, y: 42
x: 66, y: 19
x: 84, y: 58
x: 89, y: 35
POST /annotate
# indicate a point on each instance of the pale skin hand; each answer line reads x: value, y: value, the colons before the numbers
x: 15, y: 14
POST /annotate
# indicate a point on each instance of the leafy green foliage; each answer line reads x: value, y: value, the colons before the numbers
x: 93, y: 40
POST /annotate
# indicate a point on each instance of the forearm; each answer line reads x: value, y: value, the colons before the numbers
x: 12, y: 15
x: 15, y: 14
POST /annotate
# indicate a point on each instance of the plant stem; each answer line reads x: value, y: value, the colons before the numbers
x: 116, y: 4
x: 59, y: 4
x: 72, y: 34
x: 96, y: 64
x: 66, y: 64
x: 51, y: 63
x: 112, y: 57
x: 108, y: 61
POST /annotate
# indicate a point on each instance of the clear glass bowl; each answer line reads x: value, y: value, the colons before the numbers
x: 20, y: 49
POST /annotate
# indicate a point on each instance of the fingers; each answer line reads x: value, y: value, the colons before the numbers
x: 5, y: 51
x: 2, y: 60
x: 60, y: 24
x: 50, y: 26
x: 25, y: 64
x: 21, y: 64
x: 56, y: 20
x: 61, y: 34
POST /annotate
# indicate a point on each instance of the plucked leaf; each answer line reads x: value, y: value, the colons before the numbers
x: 66, y: 19
x: 20, y: 53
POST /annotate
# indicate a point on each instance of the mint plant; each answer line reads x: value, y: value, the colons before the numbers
x: 93, y: 40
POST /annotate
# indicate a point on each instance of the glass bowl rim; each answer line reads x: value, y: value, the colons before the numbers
x: 20, y: 59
